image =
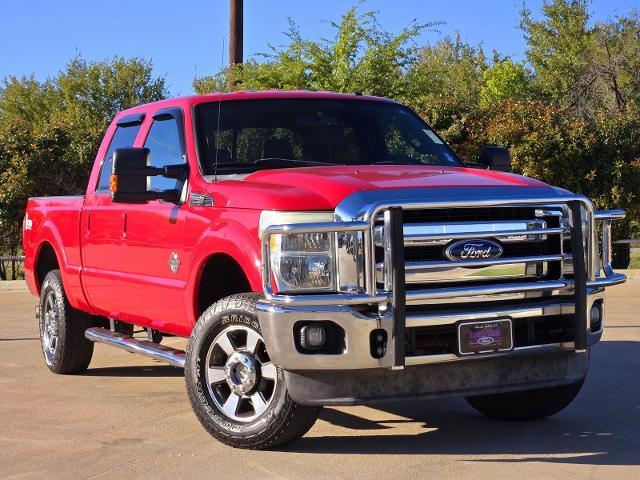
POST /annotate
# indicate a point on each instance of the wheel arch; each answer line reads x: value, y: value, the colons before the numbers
x: 232, y: 251
x: 50, y: 245
x: 212, y: 285
x: 46, y: 260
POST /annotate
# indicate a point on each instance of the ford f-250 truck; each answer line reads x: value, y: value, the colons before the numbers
x: 319, y: 249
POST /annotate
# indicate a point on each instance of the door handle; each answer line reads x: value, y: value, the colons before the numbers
x: 124, y: 225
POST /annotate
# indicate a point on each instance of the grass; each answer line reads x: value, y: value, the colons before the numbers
x: 635, y: 260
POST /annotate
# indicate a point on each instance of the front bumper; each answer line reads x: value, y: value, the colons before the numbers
x: 522, y: 371
x: 278, y: 325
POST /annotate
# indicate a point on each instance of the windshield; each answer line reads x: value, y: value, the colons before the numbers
x: 249, y: 135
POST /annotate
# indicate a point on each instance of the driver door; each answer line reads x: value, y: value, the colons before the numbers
x: 154, y: 264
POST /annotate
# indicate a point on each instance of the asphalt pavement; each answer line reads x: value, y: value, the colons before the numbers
x: 129, y: 418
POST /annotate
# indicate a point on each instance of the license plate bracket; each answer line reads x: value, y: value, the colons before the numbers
x: 485, y: 337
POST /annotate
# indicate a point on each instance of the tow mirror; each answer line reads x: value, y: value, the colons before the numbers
x: 493, y: 157
x: 129, y: 182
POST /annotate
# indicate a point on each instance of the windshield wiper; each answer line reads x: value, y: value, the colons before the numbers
x: 279, y: 161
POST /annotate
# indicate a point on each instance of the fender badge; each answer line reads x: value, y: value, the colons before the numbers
x: 174, y: 262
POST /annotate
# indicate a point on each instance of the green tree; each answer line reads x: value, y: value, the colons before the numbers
x: 559, y: 48
x: 50, y: 131
x: 447, y: 80
x: 582, y: 67
x: 359, y: 57
x: 505, y: 80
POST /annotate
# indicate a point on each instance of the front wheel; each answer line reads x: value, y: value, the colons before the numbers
x: 237, y: 393
x: 526, y: 404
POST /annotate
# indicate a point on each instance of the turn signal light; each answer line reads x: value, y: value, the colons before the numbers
x: 113, y: 183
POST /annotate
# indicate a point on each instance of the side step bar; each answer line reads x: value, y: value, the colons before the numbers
x: 159, y: 352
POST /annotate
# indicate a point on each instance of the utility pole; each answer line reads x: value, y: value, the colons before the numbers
x: 235, y: 35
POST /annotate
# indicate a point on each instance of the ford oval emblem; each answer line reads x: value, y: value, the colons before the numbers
x: 474, y: 249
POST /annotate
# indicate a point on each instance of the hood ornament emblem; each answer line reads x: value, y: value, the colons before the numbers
x: 174, y: 262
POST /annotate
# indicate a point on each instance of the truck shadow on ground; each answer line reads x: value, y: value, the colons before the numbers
x: 601, y: 427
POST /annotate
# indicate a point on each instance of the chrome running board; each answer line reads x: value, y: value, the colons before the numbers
x: 157, y: 351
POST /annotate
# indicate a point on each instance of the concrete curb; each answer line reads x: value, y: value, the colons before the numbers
x: 13, y: 286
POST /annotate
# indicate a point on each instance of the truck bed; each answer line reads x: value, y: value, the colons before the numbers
x: 55, y: 220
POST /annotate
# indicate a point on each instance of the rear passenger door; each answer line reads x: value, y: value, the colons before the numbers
x: 153, y: 260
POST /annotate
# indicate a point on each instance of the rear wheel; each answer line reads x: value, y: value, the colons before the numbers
x: 62, y: 328
x: 235, y: 390
x: 526, y: 404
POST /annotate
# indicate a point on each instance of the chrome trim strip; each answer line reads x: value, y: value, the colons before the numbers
x: 608, y: 281
x: 440, y: 234
x: 449, y: 318
x: 606, y: 217
x: 426, y: 359
x: 417, y: 297
x: 325, y: 299
x: 417, y: 267
x: 601, y: 215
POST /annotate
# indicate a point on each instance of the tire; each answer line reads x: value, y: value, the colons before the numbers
x: 62, y: 327
x: 237, y: 394
x: 527, y: 404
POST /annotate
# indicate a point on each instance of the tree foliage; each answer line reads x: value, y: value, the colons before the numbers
x: 50, y: 131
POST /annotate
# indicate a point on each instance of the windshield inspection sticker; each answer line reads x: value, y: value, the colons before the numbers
x: 434, y: 138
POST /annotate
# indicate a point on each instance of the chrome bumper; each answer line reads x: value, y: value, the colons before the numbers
x: 279, y: 313
x: 277, y: 324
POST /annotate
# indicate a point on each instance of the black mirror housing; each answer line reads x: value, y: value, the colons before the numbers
x: 497, y: 158
x: 130, y: 177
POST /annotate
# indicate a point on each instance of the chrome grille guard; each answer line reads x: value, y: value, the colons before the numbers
x: 361, y: 211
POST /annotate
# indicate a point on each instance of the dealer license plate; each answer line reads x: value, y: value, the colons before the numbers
x: 489, y: 336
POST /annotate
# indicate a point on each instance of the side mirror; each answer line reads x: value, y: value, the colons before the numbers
x: 493, y: 157
x: 129, y: 182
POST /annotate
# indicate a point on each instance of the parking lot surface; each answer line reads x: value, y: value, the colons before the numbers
x: 129, y: 418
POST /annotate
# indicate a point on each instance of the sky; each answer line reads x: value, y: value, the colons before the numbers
x: 185, y: 38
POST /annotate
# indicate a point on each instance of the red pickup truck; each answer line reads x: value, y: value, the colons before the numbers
x: 319, y: 249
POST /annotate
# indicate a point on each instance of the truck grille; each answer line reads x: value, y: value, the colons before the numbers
x: 535, y: 256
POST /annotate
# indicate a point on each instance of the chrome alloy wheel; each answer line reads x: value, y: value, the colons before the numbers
x: 239, y: 374
x: 49, y: 327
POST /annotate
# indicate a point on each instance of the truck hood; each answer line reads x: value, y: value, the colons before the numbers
x: 323, y: 188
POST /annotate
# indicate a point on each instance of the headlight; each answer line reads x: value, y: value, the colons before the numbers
x: 317, y: 261
x: 301, y: 262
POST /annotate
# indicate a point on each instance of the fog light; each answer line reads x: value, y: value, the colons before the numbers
x: 378, y: 339
x: 596, y: 317
x: 313, y: 337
